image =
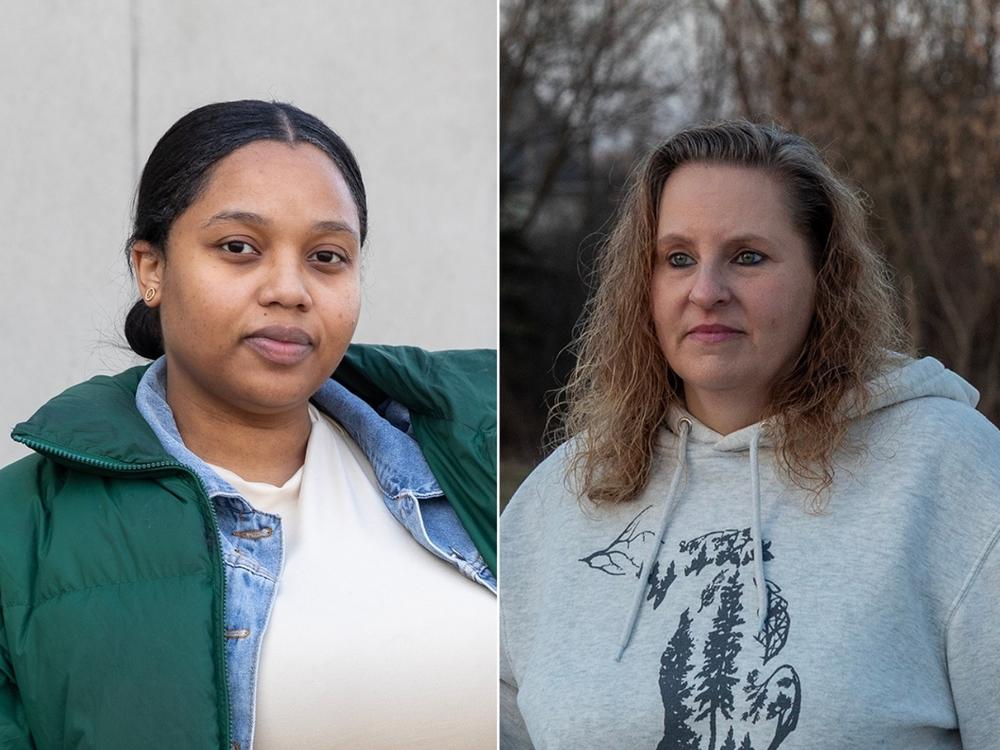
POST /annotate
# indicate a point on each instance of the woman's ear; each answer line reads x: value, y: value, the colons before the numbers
x: 148, y: 263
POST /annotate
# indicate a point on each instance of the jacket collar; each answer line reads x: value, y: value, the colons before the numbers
x: 123, y: 423
x: 395, y: 457
x: 95, y: 423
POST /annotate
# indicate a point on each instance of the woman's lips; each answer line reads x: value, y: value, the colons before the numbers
x: 713, y: 334
x: 280, y: 347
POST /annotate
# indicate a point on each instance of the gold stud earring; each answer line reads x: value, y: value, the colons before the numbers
x: 150, y: 293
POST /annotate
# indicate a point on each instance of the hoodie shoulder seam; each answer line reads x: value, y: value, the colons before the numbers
x: 970, y: 581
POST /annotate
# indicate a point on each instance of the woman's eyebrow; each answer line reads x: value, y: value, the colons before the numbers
x: 335, y: 226
x: 749, y: 237
x: 249, y: 217
x: 672, y: 237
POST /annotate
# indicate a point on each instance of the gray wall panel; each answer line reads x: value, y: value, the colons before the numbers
x: 64, y: 191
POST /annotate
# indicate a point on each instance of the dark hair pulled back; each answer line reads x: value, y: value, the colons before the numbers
x: 181, y: 163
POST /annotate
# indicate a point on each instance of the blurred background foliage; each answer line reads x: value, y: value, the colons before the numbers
x: 902, y: 96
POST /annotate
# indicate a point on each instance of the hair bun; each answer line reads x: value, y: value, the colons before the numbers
x: 142, y: 331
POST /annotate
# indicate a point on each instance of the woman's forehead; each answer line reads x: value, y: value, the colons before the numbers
x: 702, y: 199
x: 272, y: 180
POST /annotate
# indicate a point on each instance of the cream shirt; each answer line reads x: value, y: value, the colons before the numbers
x: 372, y: 642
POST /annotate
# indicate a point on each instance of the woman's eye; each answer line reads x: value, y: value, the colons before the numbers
x: 327, y: 257
x: 680, y: 260
x: 238, y: 247
x: 748, y: 258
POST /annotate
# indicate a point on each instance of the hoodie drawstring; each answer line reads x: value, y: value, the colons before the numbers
x: 755, y: 532
x: 654, y: 550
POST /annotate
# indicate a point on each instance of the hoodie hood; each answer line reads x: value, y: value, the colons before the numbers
x: 907, y: 380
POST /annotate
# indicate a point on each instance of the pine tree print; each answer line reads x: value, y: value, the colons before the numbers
x: 708, y: 593
x: 697, y: 689
x: 675, y: 690
x: 727, y: 548
x: 718, y: 674
x: 658, y: 584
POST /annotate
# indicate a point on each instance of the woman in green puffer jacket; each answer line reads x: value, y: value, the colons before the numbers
x: 228, y: 548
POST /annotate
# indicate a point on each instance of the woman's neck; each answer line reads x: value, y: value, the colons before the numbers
x: 725, y: 411
x: 258, y: 447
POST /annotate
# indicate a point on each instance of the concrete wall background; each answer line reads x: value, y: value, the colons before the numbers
x: 88, y: 88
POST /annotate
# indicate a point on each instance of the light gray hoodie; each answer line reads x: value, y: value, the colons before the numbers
x: 878, y: 625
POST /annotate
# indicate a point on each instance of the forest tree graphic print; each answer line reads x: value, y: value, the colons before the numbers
x: 708, y: 704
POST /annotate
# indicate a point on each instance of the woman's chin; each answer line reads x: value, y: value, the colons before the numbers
x: 268, y: 394
x: 718, y: 379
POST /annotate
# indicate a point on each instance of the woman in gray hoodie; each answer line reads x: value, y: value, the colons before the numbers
x: 763, y: 528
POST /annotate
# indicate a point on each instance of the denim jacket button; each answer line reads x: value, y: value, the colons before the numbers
x: 254, y: 534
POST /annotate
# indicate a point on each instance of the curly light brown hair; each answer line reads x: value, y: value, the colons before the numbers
x: 617, y: 397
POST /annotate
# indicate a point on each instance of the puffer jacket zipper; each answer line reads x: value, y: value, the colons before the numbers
x: 208, y: 511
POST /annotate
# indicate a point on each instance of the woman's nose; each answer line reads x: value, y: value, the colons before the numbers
x: 284, y: 282
x: 709, y: 287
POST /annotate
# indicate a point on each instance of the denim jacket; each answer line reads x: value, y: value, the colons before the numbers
x: 251, y: 541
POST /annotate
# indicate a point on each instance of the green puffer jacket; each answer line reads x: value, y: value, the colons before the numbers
x: 111, y: 581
